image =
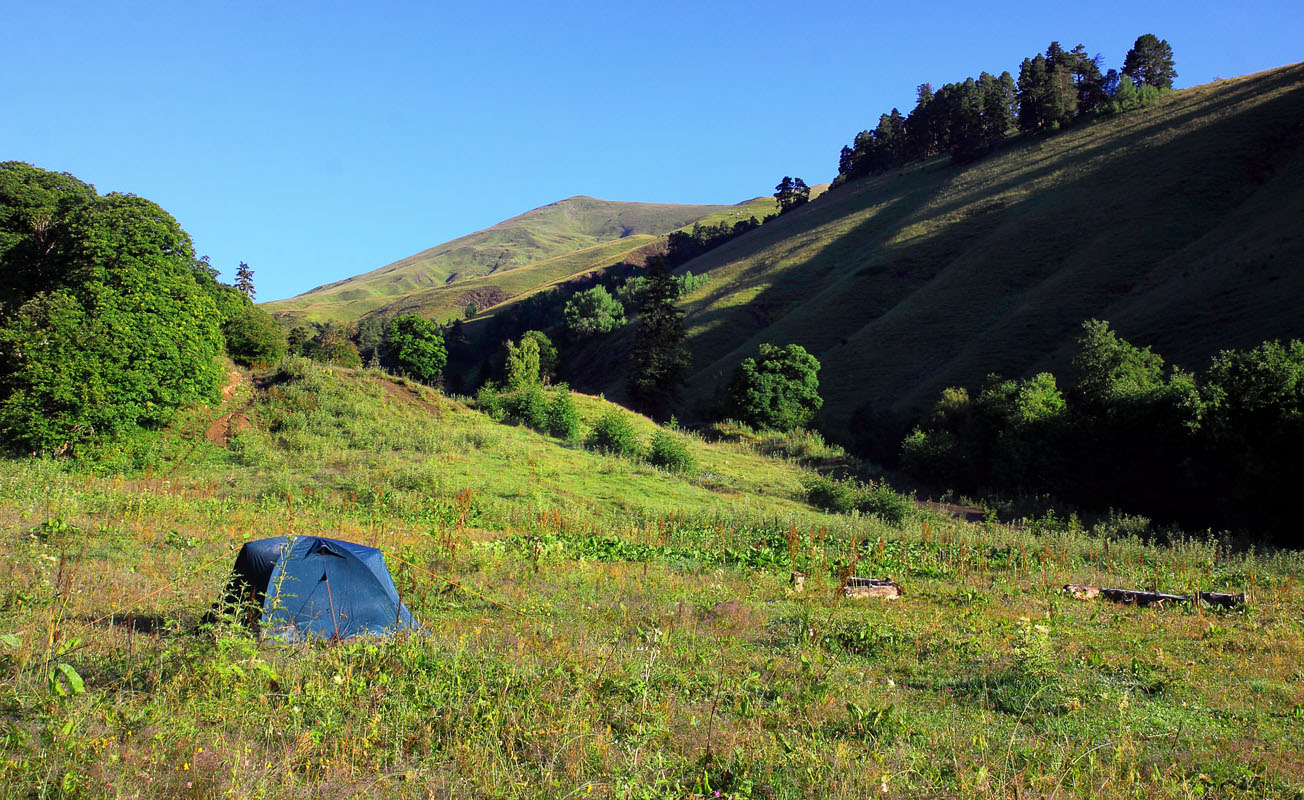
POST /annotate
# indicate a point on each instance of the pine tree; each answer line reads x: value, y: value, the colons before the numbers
x: 1150, y: 62
x: 660, y: 359
x: 1032, y: 89
x: 244, y: 280
x: 790, y: 193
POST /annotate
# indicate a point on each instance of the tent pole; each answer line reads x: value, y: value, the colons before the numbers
x: 331, y: 600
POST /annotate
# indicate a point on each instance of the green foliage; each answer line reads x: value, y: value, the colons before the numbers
x: 549, y: 361
x: 791, y: 193
x: 1113, y: 373
x: 522, y: 364
x: 668, y: 451
x: 416, y: 347
x: 119, y: 332
x: 778, y: 389
x: 333, y: 344
x: 244, y: 281
x: 296, y: 341
x: 593, y: 312
x: 842, y: 496
x: 490, y: 401
x: 563, y: 419
x: 660, y: 360
x: 1129, y: 436
x: 529, y: 404
x: 370, y: 340
x: 1150, y: 62
x: 253, y: 337
x: 613, y: 434
x: 34, y: 208
x: 938, y: 455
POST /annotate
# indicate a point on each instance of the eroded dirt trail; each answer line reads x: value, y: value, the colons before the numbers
x: 232, y: 422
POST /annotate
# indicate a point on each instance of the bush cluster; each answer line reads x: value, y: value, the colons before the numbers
x: 614, y: 434
x: 669, y: 452
x: 1223, y: 446
x: 846, y: 495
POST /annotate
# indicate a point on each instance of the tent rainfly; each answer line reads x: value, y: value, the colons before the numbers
x: 309, y: 587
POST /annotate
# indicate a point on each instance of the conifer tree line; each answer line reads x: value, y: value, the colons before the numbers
x: 968, y: 119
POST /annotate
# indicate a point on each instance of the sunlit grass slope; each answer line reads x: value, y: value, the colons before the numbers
x: 1178, y: 223
x: 614, y: 631
x: 492, y: 293
x: 567, y: 226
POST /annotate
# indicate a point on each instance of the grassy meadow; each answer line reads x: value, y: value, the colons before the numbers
x: 599, y: 627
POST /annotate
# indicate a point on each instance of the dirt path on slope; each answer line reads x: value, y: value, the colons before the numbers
x: 232, y: 422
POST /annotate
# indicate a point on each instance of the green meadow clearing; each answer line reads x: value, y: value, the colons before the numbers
x: 599, y: 627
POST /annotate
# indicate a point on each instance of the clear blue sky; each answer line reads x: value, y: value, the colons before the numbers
x: 321, y: 140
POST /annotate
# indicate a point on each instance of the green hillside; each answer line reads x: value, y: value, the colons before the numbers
x: 599, y: 627
x: 443, y: 303
x: 1179, y: 223
x: 542, y: 234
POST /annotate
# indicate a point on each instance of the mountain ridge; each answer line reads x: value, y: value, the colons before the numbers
x: 547, y: 232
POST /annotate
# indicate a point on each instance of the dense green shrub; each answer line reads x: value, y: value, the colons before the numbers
x: 489, y: 401
x: 670, y: 452
x: 253, y: 337
x: 614, y: 433
x: 1133, y: 434
x: 529, y: 404
x: 778, y: 389
x: 830, y: 494
x: 563, y: 419
x: 846, y: 495
x: 111, y: 322
x: 416, y: 347
x: 549, y: 361
x: 333, y: 345
x: 593, y: 312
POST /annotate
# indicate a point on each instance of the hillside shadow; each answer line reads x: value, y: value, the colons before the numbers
x: 1009, y: 247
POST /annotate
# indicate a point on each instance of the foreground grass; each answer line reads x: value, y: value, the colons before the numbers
x: 643, y: 642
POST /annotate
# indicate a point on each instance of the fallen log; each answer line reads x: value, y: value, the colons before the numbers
x: 1139, y: 597
x: 884, y: 588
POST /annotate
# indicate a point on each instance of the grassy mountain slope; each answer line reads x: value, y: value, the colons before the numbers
x: 598, y: 627
x: 443, y: 303
x: 1177, y: 222
x: 543, y: 233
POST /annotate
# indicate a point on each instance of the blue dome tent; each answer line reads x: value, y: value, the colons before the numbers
x: 310, y: 587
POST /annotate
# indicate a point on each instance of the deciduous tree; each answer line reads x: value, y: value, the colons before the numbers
x: 416, y: 347
x: 778, y: 389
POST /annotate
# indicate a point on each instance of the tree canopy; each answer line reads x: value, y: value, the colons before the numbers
x: 778, y: 389
x: 791, y: 193
x: 1150, y: 62
x: 969, y: 118
x: 111, y: 321
x: 593, y: 312
x: 660, y: 359
x: 416, y: 347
